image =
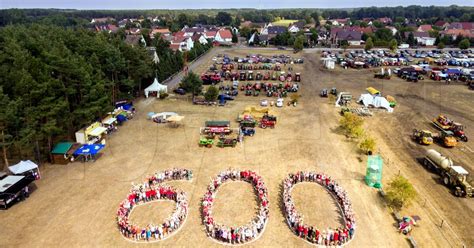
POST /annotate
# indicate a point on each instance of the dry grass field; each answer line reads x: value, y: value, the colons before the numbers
x: 75, y: 205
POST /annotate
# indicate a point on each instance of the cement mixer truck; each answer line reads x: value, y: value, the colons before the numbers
x: 453, y: 176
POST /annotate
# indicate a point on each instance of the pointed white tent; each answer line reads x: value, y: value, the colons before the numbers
x: 157, y: 87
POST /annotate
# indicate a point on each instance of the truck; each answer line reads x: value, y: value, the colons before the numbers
x: 453, y: 176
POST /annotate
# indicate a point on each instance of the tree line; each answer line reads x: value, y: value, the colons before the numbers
x: 429, y: 14
x: 57, y: 80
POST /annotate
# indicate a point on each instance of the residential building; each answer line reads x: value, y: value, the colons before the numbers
x: 223, y: 35
x: 424, y: 28
x: 423, y: 38
x: 163, y: 31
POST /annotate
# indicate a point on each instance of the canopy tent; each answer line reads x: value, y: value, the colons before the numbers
x: 97, y: 131
x: 89, y: 149
x: 175, y: 118
x: 376, y: 101
x: 164, y: 115
x: 109, y: 121
x: 156, y: 87
x: 23, y: 167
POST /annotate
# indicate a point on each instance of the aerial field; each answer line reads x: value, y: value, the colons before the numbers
x: 75, y: 205
x: 284, y: 22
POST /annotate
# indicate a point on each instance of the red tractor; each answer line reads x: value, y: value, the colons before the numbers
x: 458, y: 130
x: 268, y: 121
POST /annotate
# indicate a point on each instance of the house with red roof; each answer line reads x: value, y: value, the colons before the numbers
x: 223, y: 35
x: 461, y: 25
x: 458, y: 32
x: 210, y: 35
x: 441, y: 24
x: 424, y: 28
x: 181, y: 42
x: 162, y: 31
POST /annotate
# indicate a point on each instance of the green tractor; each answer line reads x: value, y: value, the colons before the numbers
x: 206, y: 142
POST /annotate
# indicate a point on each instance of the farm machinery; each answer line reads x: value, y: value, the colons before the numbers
x: 446, y: 138
x: 216, y: 128
x: 268, y: 121
x: 206, y: 142
x: 423, y: 137
x: 443, y: 123
x: 255, y: 112
x: 226, y: 142
x: 453, y: 176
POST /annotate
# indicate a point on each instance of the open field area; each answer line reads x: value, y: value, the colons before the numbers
x: 75, y: 205
x: 284, y: 23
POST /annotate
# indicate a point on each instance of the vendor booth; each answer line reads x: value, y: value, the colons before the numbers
x: 88, y: 152
x: 12, y: 189
x: 110, y: 123
x: 63, y: 151
x: 26, y: 168
x: 95, y: 133
x: 155, y: 88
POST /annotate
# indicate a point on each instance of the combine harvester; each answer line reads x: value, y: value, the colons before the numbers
x: 453, y: 176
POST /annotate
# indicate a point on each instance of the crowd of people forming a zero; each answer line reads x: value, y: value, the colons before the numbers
x: 241, y: 234
x: 329, y: 236
x: 150, y: 190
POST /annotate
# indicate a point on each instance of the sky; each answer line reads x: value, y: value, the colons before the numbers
x: 217, y: 4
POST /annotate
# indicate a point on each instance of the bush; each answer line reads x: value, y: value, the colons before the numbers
x: 367, y: 145
x: 163, y: 94
x: 211, y: 94
x: 400, y: 193
x: 192, y: 83
x: 351, y: 125
x: 369, y: 44
x: 441, y: 45
x: 464, y: 44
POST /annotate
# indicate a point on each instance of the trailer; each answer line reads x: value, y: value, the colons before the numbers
x: 453, y: 176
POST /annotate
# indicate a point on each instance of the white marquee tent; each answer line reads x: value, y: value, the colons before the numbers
x: 22, y: 167
x: 376, y: 101
x: 156, y: 87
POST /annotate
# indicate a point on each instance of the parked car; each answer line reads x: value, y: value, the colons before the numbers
x: 179, y: 91
x: 264, y: 103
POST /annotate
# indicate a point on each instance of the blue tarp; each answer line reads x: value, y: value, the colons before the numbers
x: 89, y: 149
x: 121, y: 118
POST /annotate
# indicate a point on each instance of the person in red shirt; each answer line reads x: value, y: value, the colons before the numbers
x: 336, y: 237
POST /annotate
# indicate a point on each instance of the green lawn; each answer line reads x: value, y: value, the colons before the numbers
x: 284, y: 22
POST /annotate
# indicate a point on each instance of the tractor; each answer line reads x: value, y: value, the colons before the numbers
x: 446, y: 138
x: 442, y: 122
x: 268, y: 121
x: 423, y: 137
x: 206, y: 142
x: 248, y: 131
x: 224, y: 142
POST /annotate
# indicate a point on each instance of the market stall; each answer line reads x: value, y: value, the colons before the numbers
x: 110, y: 123
x: 155, y: 88
x: 26, y: 168
x: 94, y: 133
x: 88, y: 152
x: 62, y: 152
